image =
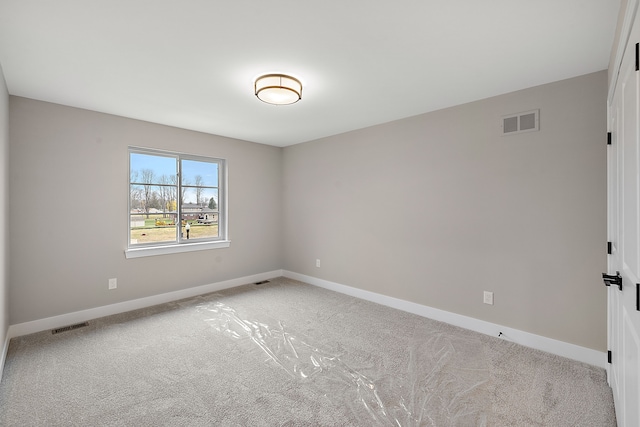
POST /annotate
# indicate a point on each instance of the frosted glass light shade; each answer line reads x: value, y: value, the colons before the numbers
x: 278, y: 89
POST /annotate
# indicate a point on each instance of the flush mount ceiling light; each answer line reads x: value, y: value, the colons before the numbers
x: 278, y: 89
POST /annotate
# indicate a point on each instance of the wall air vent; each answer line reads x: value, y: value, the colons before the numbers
x: 69, y: 328
x: 529, y: 121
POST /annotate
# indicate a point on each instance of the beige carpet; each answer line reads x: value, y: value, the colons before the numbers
x: 290, y: 354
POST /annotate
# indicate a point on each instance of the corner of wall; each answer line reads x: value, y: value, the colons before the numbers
x: 4, y: 202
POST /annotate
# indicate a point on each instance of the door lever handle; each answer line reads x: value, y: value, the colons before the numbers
x: 613, y: 280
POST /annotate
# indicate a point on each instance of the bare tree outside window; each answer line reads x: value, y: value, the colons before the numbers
x: 146, y: 176
x: 165, y: 191
x: 198, y: 182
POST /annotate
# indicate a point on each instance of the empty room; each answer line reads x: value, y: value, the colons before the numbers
x: 333, y: 214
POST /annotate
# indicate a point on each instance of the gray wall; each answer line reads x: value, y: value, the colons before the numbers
x: 432, y: 209
x: 436, y: 208
x: 68, y: 210
x: 4, y: 207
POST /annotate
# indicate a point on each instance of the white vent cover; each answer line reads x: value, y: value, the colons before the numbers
x: 528, y: 121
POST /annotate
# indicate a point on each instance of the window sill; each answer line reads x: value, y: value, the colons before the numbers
x: 175, y: 249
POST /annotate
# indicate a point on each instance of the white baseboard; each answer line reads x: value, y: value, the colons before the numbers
x: 549, y: 345
x: 107, y: 310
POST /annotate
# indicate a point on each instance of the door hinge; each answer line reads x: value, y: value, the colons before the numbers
x: 612, y: 280
x: 609, y: 248
x: 608, y: 138
x: 638, y: 296
x: 609, y: 356
x: 637, y: 56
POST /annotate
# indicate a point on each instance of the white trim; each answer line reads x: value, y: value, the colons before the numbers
x: 122, y: 307
x: 3, y: 355
x: 625, y: 32
x: 549, y: 345
x: 174, y: 249
x: 185, y: 245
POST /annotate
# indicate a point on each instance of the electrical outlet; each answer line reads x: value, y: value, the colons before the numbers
x: 488, y: 297
x: 318, y: 263
x: 113, y: 283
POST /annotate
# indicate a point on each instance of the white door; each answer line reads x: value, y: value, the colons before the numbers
x: 624, y: 233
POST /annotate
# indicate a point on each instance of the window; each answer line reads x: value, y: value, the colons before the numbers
x: 177, y: 202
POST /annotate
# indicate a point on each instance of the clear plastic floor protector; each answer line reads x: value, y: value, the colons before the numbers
x: 444, y: 383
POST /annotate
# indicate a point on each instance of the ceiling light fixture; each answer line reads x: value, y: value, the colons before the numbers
x: 278, y: 89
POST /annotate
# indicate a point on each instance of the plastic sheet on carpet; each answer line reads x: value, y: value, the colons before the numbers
x: 442, y: 384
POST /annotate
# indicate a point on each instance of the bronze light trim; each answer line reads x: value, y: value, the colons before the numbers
x: 278, y: 89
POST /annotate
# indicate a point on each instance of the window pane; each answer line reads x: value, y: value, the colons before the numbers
x: 189, y: 199
x: 203, y: 216
x: 209, y: 197
x: 198, y: 173
x: 199, y: 197
x: 153, y: 198
x: 149, y: 169
x: 201, y: 230
x: 154, y: 227
x: 136, y: 198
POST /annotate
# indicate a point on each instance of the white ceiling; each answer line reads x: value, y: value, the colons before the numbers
x: 191, y: 63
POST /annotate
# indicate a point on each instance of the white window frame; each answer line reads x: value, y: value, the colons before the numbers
x: 181, y: 245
